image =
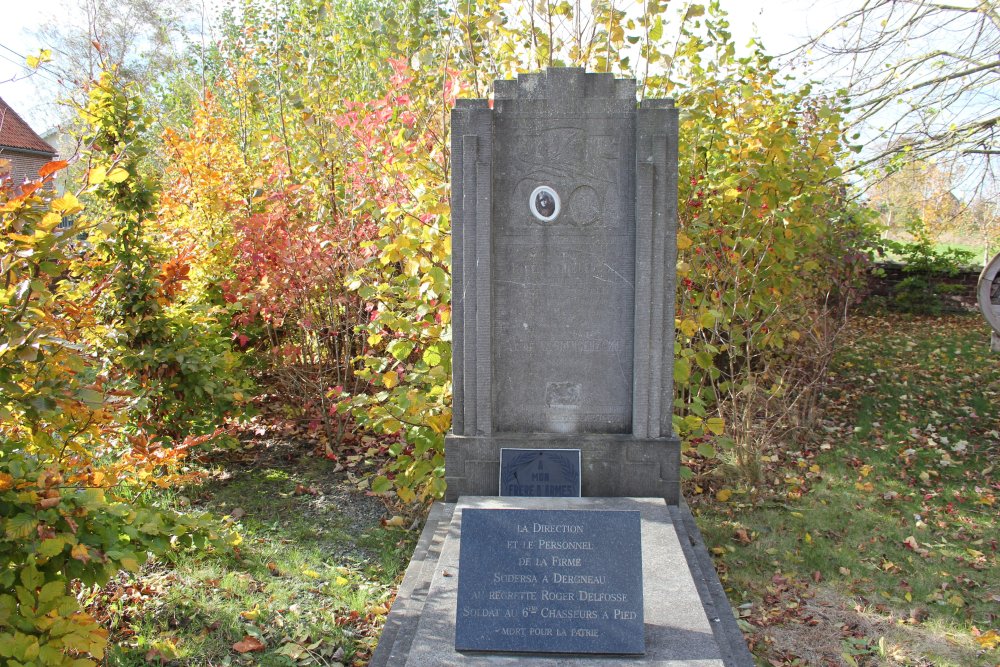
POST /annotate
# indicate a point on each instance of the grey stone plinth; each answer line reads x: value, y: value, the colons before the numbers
x: 688, y: 621
x: 612, y: 465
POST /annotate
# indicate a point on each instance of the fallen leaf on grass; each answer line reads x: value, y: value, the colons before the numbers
x: 989, y: 640
x: 251, y: 614
x: 248, y: 645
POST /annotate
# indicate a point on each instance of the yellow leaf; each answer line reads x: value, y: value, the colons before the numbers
x: 6, y: 481
x: 68, y: 204
x: 723, y: 495
x: 683, y: 241
x: 716, y: 425
x: 689, y: 327
x: 97, y: 175
x: 380, y: 610
x: 390, y: 379
x: 251, y: 614
x: 989, y: 640
x: 312, y: 574
x: 731, y: 193
x: 341, y: 581
x: 808, y: 538
x: 80, y: 553
x: 49, y: 221
x: 396, y: 522
x: 439, y: 423
x: 117, y: 175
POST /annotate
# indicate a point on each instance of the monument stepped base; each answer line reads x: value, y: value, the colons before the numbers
x: 613, y: 465
x: 688, y: 620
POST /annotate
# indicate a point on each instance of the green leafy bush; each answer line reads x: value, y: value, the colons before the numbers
x: 924, y: 288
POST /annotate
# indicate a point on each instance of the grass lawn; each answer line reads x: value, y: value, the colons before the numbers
x: 309, y: 585
x: 877, y: 544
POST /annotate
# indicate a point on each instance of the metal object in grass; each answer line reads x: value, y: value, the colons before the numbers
x: 988, y: 295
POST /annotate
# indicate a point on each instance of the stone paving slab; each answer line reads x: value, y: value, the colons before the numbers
x: 682, y: 625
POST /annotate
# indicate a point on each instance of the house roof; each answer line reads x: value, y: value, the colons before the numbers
x: 17, y: 134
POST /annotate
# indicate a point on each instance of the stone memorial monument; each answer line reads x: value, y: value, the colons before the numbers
x: 988, y: 296
x: 563, y: 264
x: 563, y: 254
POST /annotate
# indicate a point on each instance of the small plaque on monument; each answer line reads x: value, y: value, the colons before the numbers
x: 550, y: 581
x: 540, y: 473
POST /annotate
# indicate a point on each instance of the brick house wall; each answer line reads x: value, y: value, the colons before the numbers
x: 22, y: 150
x: 22, y: 166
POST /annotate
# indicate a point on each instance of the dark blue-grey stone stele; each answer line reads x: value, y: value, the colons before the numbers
x: 564, y: 226
x: 540, y: 473
x: 550, y: 581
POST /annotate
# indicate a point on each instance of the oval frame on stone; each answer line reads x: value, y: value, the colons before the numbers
x: 988, y: 293
x: 544, y: 203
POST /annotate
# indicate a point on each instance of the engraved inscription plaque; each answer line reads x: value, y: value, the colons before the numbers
x: 540, y: 473
x: 550, y: 581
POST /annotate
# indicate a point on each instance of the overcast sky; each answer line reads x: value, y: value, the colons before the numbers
x: 782, y: 24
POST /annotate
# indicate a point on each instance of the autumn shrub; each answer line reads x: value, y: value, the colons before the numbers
x: 286, y: 194
x: 290, y: 269
x: 325, y: 178
x: 72, y: 477
x: 407, y: 285
x: 330, y: 181
x: 168, y: 350
x: 768, y: 248
x: 108, y: 377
